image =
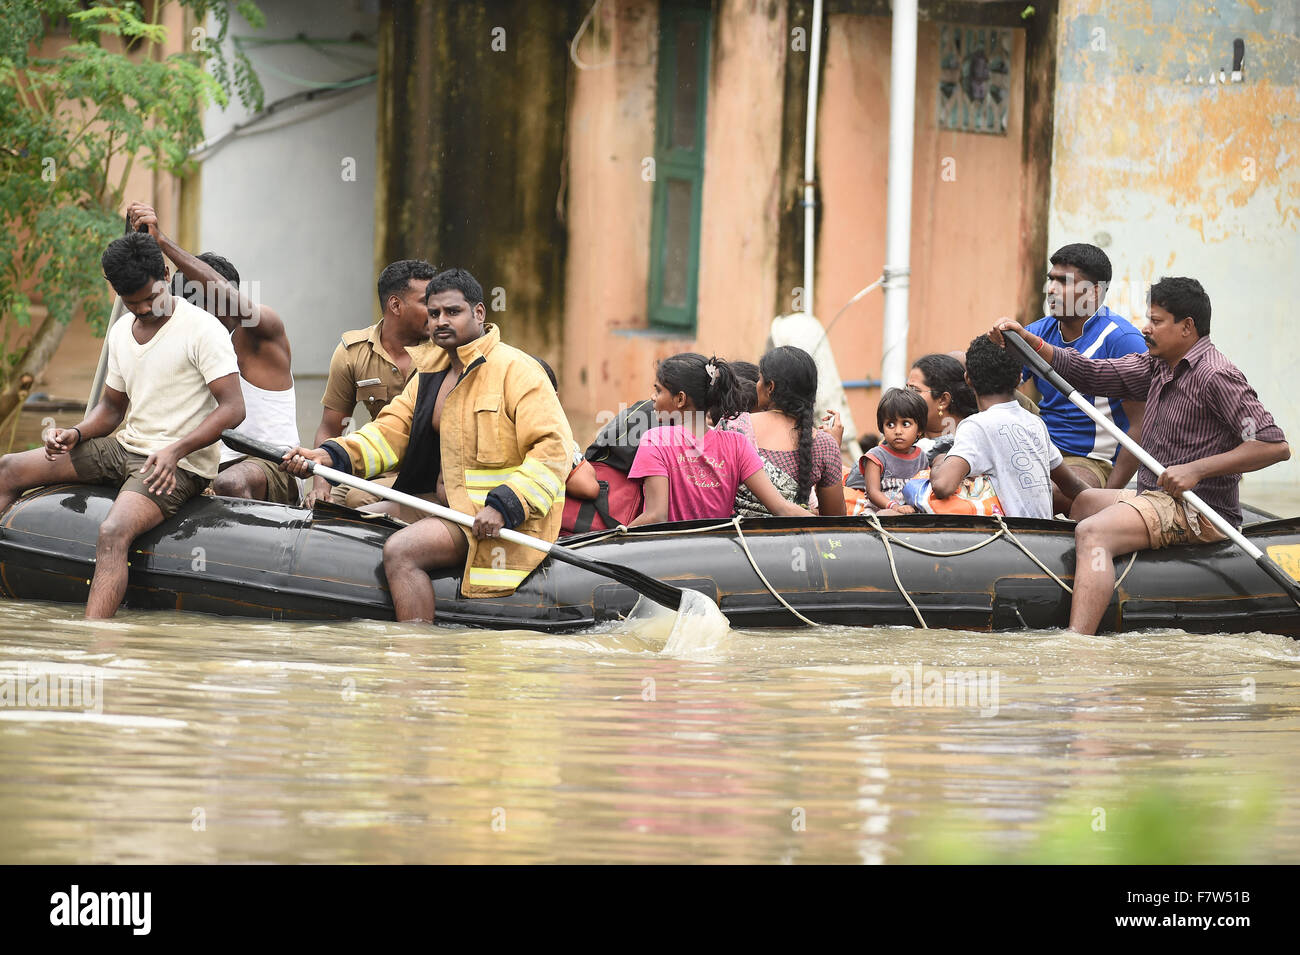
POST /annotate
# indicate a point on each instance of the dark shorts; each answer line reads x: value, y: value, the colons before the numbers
x: 281, y: 486
x: 105, y: 461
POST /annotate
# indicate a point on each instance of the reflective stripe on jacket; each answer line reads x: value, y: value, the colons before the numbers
x: 502, y: 429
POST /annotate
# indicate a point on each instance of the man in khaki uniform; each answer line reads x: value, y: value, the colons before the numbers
x: 372, y: 365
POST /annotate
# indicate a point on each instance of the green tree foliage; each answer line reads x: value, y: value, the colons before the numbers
x: 107, y: 93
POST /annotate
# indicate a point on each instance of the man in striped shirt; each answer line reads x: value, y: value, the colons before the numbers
x: 1076, y: 288
x: 1203, y: 421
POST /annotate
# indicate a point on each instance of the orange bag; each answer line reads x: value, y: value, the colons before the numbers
x: 975, y: 496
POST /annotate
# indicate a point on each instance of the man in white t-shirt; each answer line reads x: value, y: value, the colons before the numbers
x: 1003, y: 441
x: 173, y: 383
x: 261, y: 345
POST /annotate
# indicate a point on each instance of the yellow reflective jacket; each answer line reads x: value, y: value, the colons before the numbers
x: 502, y: 429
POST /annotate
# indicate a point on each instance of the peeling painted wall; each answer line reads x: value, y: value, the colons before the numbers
x: 1174, y: 172
x: 609, y: 356
x: 472, y: 112
x: 966, y: 200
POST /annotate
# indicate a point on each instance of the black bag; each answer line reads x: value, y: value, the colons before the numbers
x: 616, y: 443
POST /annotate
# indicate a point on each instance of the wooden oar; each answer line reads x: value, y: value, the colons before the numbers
x: 1265, y: 563
x: 656, y: 590
x: 101, y: 370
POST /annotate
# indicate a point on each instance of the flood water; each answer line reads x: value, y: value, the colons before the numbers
x: 212, y: 740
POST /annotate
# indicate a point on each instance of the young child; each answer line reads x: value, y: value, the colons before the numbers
x: 900, y: 416
x: 692, y: 471
x: 1003, y: 440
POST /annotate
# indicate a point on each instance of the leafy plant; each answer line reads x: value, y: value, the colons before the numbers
x: 1197, y: 822
x: 109, y: 94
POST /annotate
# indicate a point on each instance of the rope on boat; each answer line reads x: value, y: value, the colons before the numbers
x: 886, y: 538
x: 740, y: 536
x: 1030, y: 554
x: 935, y: 553
x: 1131, y: 559
x: 734, y: 523
x: 893, y: 569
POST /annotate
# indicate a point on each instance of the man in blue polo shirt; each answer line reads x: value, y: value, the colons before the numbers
x: 1076, y: 288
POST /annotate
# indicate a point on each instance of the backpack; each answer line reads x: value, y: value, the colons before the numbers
x: 617, y: 442
x: 611, y: 455
x: 618, y: 502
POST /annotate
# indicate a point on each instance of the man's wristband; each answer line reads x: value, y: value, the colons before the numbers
x: 1039, y: 347
x: 78, y: 430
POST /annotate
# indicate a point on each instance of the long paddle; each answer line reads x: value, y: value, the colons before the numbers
x: 101, y: 370
x: 658, y: 591
x: 1264, y: 562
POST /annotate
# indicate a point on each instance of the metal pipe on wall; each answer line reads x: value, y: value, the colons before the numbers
x: 809, y: 161
x: 898, y: 238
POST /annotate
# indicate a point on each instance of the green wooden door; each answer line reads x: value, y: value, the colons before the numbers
x: 681, y: 96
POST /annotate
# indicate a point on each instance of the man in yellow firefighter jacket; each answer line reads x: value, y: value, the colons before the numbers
x: 484, y: 416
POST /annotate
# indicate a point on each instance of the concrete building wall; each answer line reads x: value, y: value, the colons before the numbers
x: 1174, y: 172
x: 291, y: 203
x: 610, y: 132
x: 472, y: 132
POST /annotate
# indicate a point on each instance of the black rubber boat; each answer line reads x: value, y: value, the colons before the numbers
x: 251, y: 559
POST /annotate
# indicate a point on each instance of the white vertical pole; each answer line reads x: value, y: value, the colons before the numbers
x: 809, y: 161
x: 898, y: 238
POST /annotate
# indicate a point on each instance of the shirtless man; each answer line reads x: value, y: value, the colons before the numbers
x: 262, y: 349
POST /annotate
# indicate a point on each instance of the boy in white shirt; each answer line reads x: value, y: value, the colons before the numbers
x: 1003, y: 441
x: 173, y: 378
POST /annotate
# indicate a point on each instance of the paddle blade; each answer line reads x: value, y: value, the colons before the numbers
x: 1281, y: 577
x: 656, y: 590
x: 696, y: 629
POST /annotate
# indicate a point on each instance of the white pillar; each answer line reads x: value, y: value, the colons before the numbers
x: 809, y: 162
x: 898, y: 238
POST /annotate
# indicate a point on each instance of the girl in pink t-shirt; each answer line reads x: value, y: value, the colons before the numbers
x: 692, y: 471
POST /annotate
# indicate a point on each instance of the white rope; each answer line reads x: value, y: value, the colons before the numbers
x: 936, y: 553
x: 1132, y: 558
x: 886, y: 538
x: 1030, y: 554
x: 734, y: 523
x: 893, y: 569
x: 740, y: 536
x: 577, y: 38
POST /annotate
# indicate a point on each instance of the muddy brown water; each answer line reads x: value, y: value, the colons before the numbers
x: 198, y: 739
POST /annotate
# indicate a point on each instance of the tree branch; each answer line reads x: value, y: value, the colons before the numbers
x: 44, y: 343
x: 82, y: 131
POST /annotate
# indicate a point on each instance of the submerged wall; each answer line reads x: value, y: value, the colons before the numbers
x: 1175, y: 172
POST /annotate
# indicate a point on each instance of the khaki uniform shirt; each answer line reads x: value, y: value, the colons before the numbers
x: 362, y: 371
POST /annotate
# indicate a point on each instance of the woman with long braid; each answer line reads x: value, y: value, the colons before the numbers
x: 797, y: 455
